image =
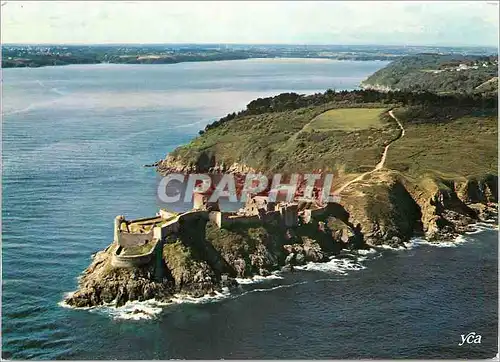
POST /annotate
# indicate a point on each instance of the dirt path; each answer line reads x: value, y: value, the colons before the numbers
x: 382, y: 160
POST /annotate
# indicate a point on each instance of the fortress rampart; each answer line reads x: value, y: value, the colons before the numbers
x: 133, y: 261
x: 154, y: 231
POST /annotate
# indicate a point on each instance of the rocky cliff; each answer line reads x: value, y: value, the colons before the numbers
x: 202, y: 259
x: 385, y: 208
x: 203, y: 162
x: 391, y: 208
x: 436, y: 181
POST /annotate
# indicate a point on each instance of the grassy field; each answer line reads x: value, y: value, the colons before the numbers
x: 456, y: 147
x: 440, y: 141
x: 277, y: 141
x: 347, y: 119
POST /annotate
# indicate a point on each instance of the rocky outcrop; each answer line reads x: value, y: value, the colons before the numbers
x: 249, y: 249
x: 202, y: 163
x: 189, y: 274
x: 449, y: 207
x: 483, y: 190
x: 202, y: 258
x: 382, y: 209
x: 307, y: 251
x: 390, y: 208
x: 377, y: 87
x: 385, y: 208
x: 101, y: 283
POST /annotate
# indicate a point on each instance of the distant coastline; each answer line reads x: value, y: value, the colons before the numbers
x: 10, y: 66
x: 34, y: 56
x: 46, y: 62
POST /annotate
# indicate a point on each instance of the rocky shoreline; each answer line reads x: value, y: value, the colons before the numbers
x: 203, y: 263
x: 102, y: 286
x: 207, y: 259
x: 383, y: 207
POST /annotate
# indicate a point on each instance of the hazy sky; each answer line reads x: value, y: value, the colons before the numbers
x: 309, y: 22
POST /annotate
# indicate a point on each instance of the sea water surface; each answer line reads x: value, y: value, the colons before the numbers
x: 75, y: 140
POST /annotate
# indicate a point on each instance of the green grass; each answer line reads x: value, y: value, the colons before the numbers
x: 137, y: 250
x: 443, y: 142
x: 347, y: 119
x: 275, y: 142
x: 458, y: 147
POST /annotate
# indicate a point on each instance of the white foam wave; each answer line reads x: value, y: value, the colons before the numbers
x: 275, y: 287
x: 135, y: 310
x: 477, y: 231
x: 388, y: 247
x: 341, y: 266
x: 207, y: 298
x: 148, y: 309
x: 367, y: 251
x: 441, y: 244
x: 486, y: 225
x: 258, y: 278
x: 63, y: 303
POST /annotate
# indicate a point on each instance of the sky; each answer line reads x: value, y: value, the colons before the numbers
x: 463, y: 23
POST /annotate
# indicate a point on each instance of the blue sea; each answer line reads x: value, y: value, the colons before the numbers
x: 75, y: 139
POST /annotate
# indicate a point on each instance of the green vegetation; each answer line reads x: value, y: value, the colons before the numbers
x: 438, y: 73
x: 248, y: 247
x: 450, y: 140
x: 347, y: 119
x: 238, y: 239
x: 279, y: 134
x: 178, y: 255
x: 275, y: 142
x: 44, y: 55
x: 446, y: 142
x: 137, y: 250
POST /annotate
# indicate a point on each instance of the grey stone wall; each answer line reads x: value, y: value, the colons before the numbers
x: 127, y: 240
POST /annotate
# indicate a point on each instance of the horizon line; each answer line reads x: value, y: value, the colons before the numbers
x: 254, y: 44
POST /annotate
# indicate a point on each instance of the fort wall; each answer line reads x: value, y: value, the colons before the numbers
x: 171, y: 227
x: 289, y: 214
x: 133, y: 261
x: 222, y: 219
x: 215, y: 217
x: 240, y: 219
x: 270, y: 216
x: 127, y: 240
x: 285, y: 213
x: 193, y: 215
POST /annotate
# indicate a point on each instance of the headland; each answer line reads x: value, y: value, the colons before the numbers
x: 406, y: 164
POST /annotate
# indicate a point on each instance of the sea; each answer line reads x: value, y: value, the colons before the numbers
x: 75, y: 140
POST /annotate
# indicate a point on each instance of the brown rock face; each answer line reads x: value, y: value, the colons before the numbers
x: 202, y: 163
x: 384, y: 208
x: 390, y: 208
x: 479, y: 190
x: 101, y: 284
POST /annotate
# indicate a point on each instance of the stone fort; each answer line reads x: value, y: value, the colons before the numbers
x: 138, y: 242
